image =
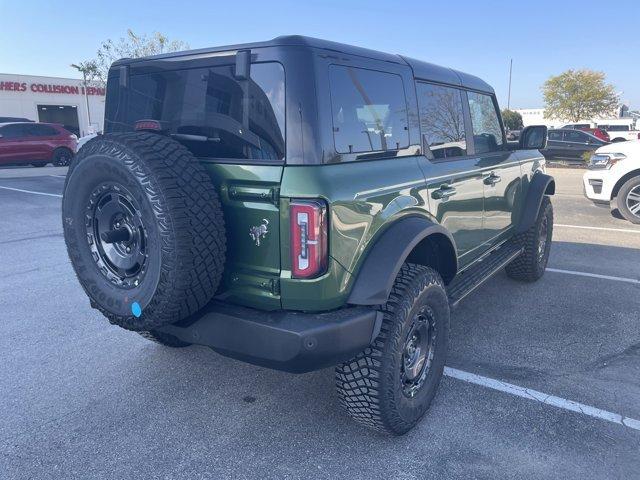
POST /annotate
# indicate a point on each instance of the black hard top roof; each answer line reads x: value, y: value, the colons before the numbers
x: 423, y: 70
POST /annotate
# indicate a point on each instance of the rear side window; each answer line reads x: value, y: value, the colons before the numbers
x: 616, y: 128
x: 487, y: 133
x: 575, y: 136
x: 214, y: 114
x: 442, y: 121
x: 42, y: 131
x: 14, y: 131
x: 557, y: 136
x: 369, y: 110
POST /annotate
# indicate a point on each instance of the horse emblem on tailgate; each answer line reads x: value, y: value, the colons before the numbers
x: 260, y: 231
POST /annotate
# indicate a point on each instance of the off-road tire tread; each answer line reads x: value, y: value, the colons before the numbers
x: 190, y: 223
x: 358, y: 380
x: 525, y: 266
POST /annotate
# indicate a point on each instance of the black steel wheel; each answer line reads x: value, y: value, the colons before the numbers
x: 543, y: 239
x: 117, y: 235
x: 530, y: 265
x: 390, y: 385
x: 144, y: 229
x: 418, y: 352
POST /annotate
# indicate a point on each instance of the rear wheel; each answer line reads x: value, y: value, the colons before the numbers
x: 144, y: 229
x: 628, y: 200
x: 390, y: 385
x: 530, y: 265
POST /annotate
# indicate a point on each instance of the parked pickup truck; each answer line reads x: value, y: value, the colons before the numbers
x: 620, y: 133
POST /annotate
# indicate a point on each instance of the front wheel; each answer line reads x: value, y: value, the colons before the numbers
x: 390, y: 385
x: 530, y: 265
x: 628, y: 200
x: 61, y: 157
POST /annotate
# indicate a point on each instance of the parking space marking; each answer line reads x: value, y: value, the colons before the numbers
x: 627, y: 230
x: 32, y: 192
x: 542, y: 397
x: 594, y: 275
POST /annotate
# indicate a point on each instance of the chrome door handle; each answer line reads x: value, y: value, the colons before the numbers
x: 444, y: 192
x: 492, y: 179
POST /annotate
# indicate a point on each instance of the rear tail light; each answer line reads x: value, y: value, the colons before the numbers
x: 147, y: 125
x: 309, y: 252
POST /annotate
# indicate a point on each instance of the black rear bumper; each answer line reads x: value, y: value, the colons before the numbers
x: 283, y: 340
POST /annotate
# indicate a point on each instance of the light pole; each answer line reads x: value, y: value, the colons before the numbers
x: 86, y: 97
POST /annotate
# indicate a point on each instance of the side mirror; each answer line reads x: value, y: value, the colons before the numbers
x: 533, y: 137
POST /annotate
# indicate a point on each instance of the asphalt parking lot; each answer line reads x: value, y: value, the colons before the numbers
x: 543, y: 379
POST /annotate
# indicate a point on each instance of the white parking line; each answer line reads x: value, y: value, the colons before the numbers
x: 594, y: 275
x: 542, y: 397
x: 34, y: 193
x: 626, y: 230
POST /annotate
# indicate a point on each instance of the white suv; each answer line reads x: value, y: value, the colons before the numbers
x: 614, y: 176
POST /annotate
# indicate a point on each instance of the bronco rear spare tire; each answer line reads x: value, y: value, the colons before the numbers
x: 144, y: 229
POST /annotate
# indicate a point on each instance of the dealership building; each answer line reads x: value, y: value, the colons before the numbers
x: 65, y: 101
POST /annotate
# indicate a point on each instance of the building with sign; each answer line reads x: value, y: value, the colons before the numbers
x: 536, y: 116
x: 65, y: 101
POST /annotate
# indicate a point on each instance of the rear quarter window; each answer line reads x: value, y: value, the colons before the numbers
x: 487, y: 133
x: 369, y: 110
x: 214, y: 114
x: 43, y: 131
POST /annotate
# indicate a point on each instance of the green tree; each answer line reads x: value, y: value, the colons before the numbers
x: 512, y: 120
x: 578, y: 95
x: 132, y: 46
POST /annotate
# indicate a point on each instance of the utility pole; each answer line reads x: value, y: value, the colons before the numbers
x: 509, y: 95
x: 86, y: 98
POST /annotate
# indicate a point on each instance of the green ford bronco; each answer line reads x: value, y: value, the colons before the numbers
x: 300, y: 204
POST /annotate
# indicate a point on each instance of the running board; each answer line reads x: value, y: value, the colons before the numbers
x: 467, y: 281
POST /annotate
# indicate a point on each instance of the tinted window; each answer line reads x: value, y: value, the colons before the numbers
x: 14, y: 131
x: 204, y: 109
x: 442, y: 120
x: 616, y: 128
x: 369, y: 110
x: 555, y: 135
x: 487, y: 134
x: 575, y: 136
x: 42, y: 130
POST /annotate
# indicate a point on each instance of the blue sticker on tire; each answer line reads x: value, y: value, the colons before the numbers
x: 136, y: 309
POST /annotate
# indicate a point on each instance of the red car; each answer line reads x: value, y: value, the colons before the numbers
x: 596, y: 132
x: 36, y: 143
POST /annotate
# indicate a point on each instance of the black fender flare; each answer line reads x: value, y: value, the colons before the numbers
x: 383, y: 262
x: 541, y: 184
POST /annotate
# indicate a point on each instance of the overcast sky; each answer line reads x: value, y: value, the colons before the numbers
x: 543, y: 37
